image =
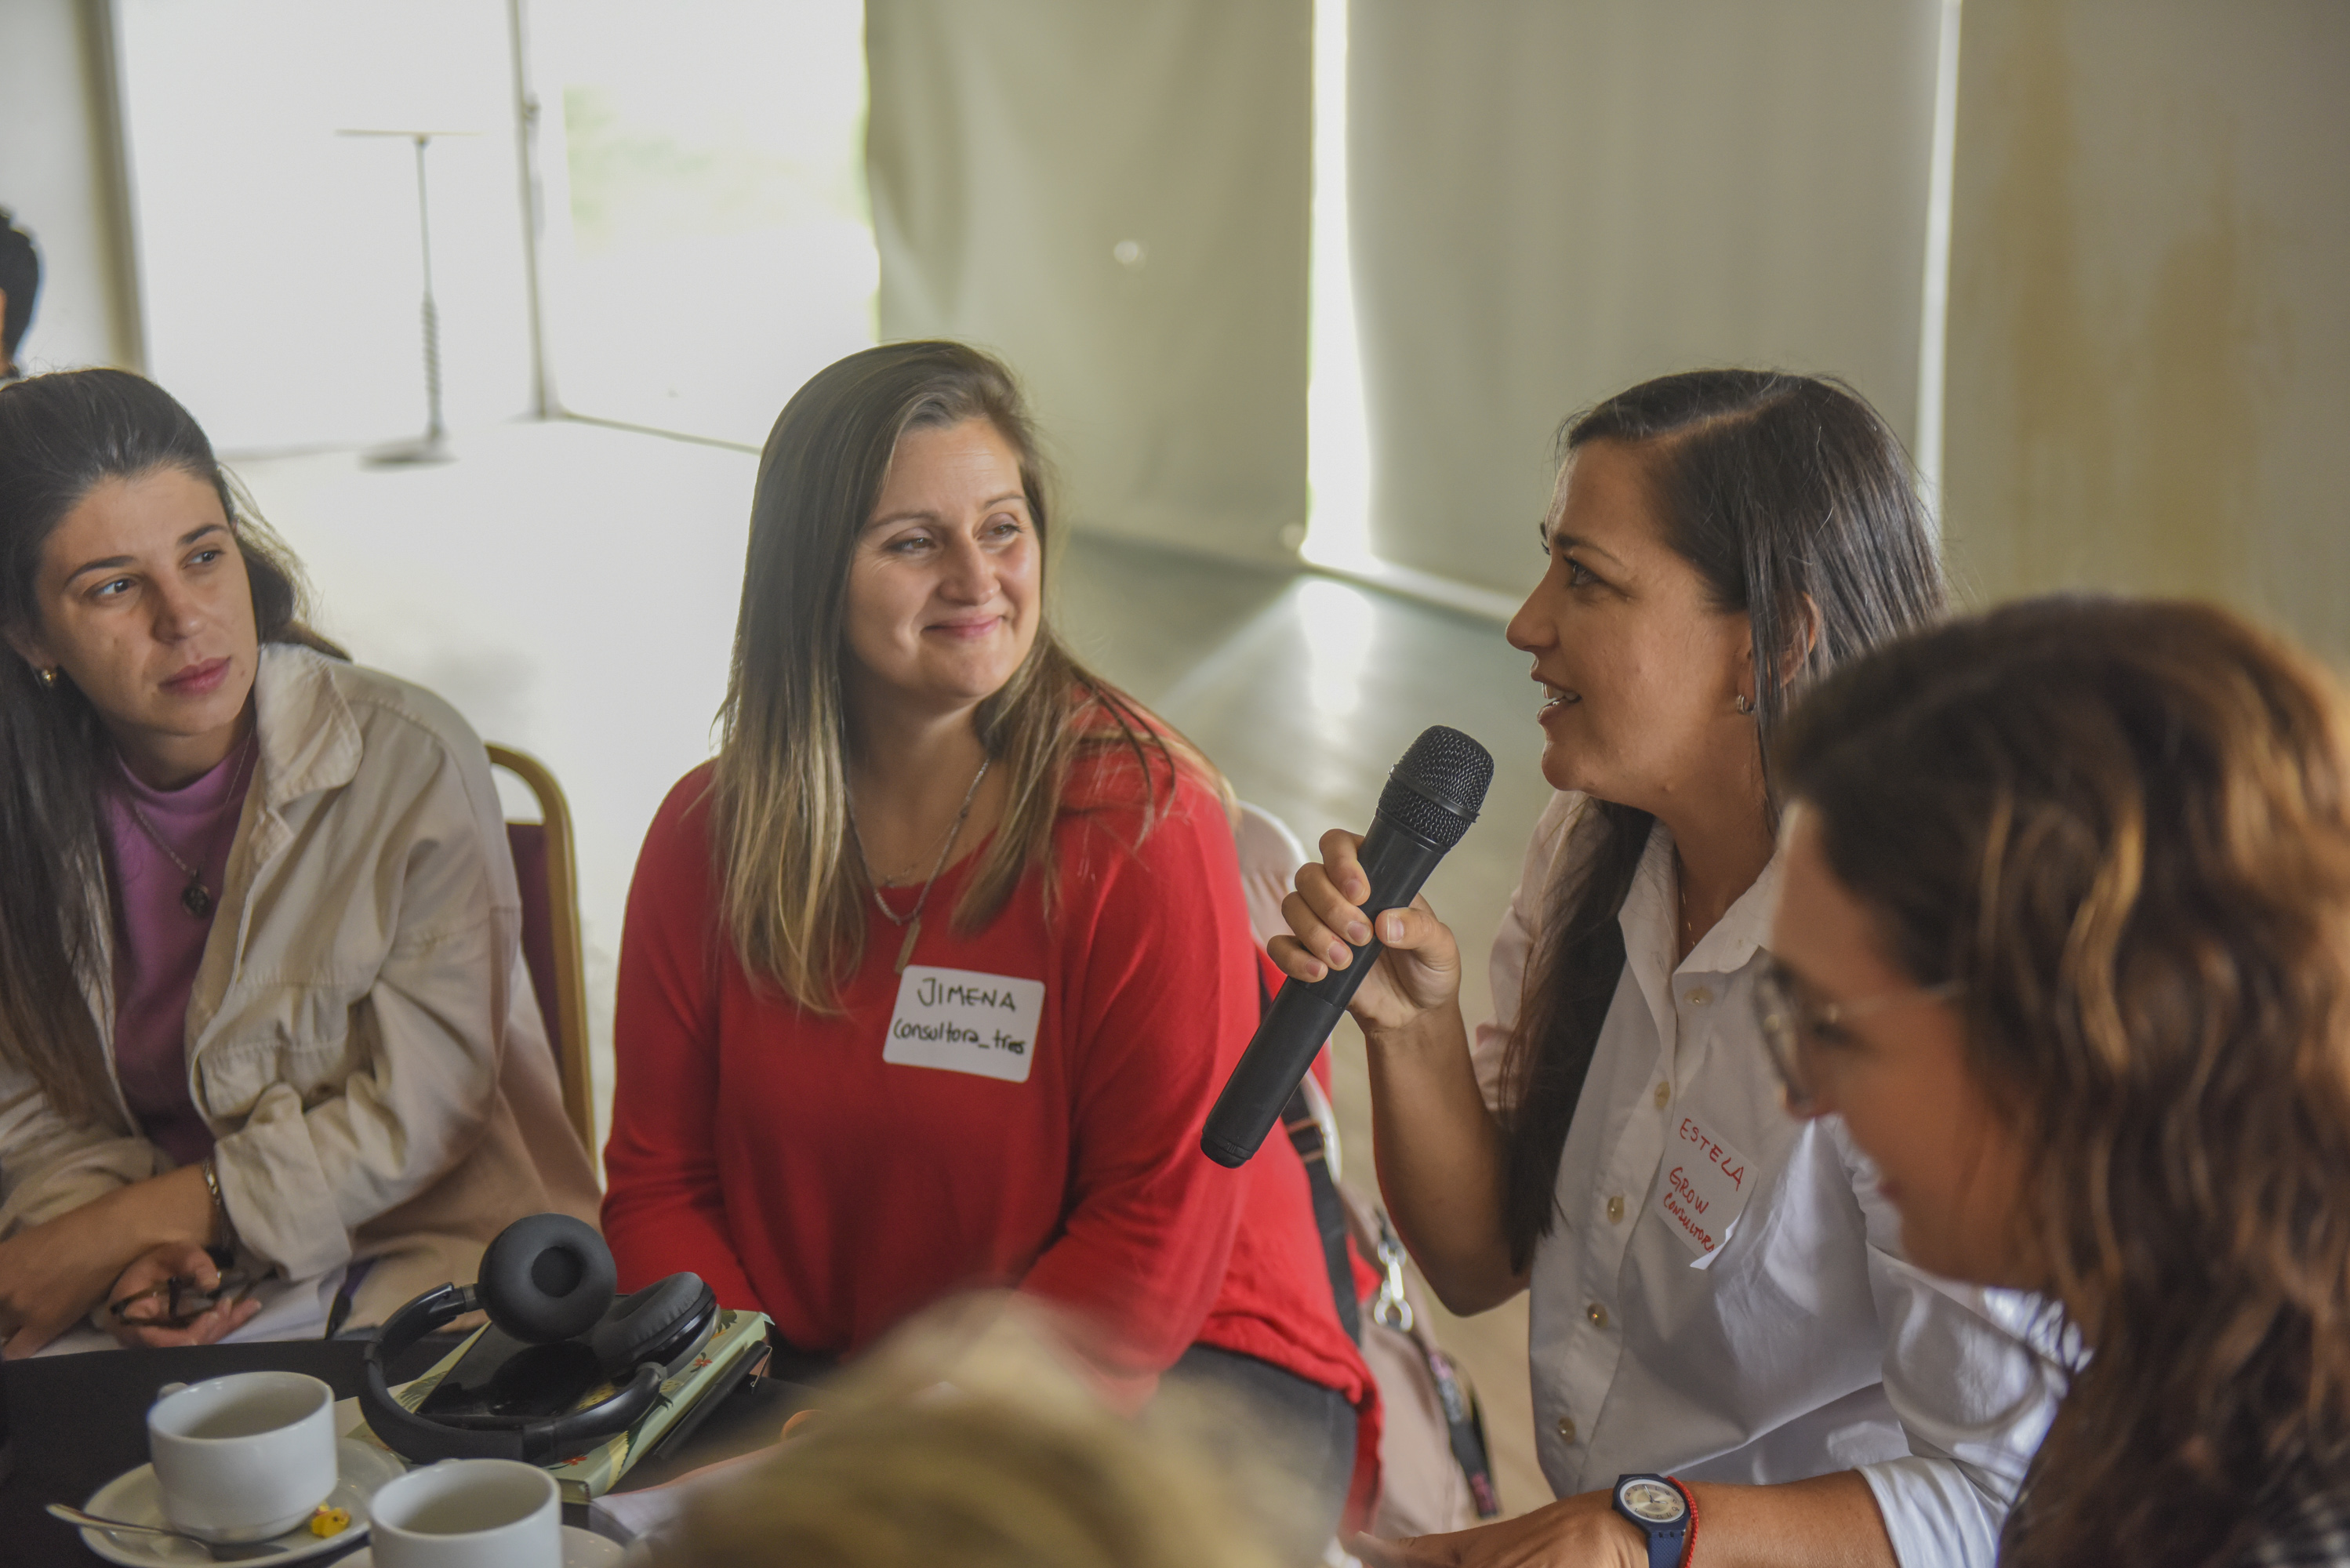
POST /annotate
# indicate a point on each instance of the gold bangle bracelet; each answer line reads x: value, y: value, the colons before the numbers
x: 220, y: 1208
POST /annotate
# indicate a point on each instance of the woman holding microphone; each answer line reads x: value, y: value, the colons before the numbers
x: 1732, y: 1363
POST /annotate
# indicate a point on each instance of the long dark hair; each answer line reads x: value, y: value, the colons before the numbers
x: 1796, y: 505
x: 60, y: 436
x: 2123, y: 828
x: 796, y: 892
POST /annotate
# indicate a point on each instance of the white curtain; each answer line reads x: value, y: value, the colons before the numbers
x: 1116, y: 198
x: 2150, y: 234
x: 1554, y: 201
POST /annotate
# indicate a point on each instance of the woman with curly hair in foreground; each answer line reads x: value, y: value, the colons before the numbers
x: 2064, y: 937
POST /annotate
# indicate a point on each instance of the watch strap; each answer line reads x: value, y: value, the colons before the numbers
x: 1668, y: 1543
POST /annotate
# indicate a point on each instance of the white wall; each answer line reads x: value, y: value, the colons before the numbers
x: 56, y: 172
x: 278, y: 261
x: 2149, y: 330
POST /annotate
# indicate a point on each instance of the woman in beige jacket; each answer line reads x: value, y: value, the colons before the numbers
x: 263, y: 1008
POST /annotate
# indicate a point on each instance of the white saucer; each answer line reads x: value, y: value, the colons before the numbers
x: 581, y: 1549
x: 135, y: 1498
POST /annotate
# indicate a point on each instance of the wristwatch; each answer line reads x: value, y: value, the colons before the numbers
x: 1661, y: 1509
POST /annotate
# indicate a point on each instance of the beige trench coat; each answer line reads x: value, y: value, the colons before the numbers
x: 362, y: 1037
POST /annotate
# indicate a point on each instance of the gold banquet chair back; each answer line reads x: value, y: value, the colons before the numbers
x: 547, y: 870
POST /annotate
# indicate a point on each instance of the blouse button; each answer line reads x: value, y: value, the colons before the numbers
x: 1598, y: 1315
x: 1699, y: 997
x: 1567, y: 1428
x: 1616, y: 1209
x: 1664, y: 1092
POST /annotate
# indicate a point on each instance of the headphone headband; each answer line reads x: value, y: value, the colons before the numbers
x: 421, y: 1439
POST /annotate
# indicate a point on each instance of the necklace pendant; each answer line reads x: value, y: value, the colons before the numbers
x: 906, y: 948
x: 197, y: 902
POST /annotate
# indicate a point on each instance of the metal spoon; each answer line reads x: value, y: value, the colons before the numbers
x: 220, y: 1552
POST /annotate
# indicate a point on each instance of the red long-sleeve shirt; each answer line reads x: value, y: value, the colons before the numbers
x: 774, y: 1151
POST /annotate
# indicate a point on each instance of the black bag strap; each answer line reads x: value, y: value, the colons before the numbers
x: 1329, y: 1214
x: 1464, y: 1419
x: 1464, y: 1423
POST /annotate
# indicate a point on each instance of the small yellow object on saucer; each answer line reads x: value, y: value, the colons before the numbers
x: 327, y: 1521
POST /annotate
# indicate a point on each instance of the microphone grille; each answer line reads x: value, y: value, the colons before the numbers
x: 1437, y: 788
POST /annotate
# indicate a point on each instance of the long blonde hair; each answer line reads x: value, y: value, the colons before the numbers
x: 974, y: 1435
x: 795, y: 896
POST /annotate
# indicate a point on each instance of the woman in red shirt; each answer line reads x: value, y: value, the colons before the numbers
x: 929, y: 980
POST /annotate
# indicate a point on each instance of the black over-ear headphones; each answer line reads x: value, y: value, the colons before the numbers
x: 546, y: 1280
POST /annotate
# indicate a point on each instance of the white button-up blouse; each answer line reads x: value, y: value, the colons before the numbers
x: 1722, y: 1295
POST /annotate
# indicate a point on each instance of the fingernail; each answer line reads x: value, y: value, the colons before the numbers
x: 1357, y: 932
x: 1395, y: 928
x: 1321, y: 971
x: 1337, y: 955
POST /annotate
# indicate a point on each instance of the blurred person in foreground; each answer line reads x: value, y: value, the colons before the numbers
x: 2065, y: 932
x: 263, y: 1008
x: 971, y: 1438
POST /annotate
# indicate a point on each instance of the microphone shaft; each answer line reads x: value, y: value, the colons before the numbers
x: 1396, y: 862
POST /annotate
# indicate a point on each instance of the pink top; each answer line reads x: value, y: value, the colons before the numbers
x: 159, y: 942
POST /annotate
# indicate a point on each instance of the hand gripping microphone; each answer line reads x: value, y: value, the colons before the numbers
x: 1431, y: 797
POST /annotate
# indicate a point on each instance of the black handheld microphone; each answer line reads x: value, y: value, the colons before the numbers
x: 1431, y: 797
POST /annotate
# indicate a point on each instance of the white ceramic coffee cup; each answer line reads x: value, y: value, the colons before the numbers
x: 244, y: 1456
x: 468, y: 1513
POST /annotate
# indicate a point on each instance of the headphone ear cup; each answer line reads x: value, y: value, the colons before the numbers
x: 640, y: 1327
x: 547, y: 1277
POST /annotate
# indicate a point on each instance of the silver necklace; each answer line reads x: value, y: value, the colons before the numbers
x: 911, y: 922
x: 195, y: 897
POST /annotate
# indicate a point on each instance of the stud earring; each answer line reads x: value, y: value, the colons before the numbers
x: 1744, y: 704
x: 48, y: 677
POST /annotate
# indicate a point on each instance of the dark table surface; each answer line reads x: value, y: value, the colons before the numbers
x: 75, y: 1422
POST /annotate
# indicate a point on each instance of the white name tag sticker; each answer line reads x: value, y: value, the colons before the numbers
x: 960, y: 1021
x: 1704, y: 1188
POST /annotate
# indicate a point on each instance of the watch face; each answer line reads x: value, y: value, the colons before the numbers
x: 1652, y: 1500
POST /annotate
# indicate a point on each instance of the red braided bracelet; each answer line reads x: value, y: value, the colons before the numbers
x: 1689, y: 1540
